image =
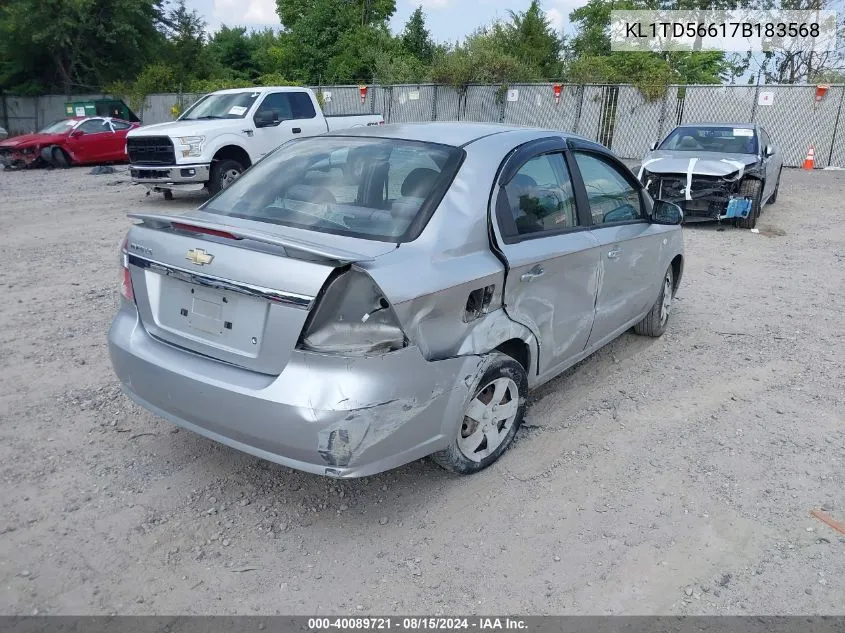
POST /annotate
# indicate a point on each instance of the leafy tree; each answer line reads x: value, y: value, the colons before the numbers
x: 186, y: 36
x: 416, y: 39
x: 232, y: 51
x: 73, y: 45
x: 532, y: 39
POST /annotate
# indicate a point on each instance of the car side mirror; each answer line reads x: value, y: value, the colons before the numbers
x: 654, y: 145
x: 770, y: 150
x: 666, y: 213
x: 76, y: 133
x: 265, y: 118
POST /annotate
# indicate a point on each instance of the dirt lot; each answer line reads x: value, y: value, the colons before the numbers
x: 657, y: 477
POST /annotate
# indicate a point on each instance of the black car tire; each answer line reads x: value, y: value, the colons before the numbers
x: 221, y: 172
x: 774, y: 197
x: 168, y: 194
x: 655, y: 322
x: 500, y: 367
x: 753, y: 189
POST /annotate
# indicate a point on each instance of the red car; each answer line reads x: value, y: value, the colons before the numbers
x: 74, y: 141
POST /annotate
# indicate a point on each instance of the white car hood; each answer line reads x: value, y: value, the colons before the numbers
x: 699, y: 163
x: 202, y: 127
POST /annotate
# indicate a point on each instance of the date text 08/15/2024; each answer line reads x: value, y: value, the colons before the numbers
x: 416, y: 624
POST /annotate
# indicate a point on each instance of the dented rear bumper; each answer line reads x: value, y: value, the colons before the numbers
x: 328, y: 415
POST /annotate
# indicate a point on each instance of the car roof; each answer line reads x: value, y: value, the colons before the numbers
x: 454, y: 133
x: 719, y: 124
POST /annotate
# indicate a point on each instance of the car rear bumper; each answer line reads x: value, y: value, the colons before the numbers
x: 184, y: 177
x: 328, y: 415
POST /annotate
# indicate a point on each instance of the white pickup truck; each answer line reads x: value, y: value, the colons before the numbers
x: 224, y: 133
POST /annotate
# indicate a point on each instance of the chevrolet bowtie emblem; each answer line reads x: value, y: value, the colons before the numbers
x: 199, y: 257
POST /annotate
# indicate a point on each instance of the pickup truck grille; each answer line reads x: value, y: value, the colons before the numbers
x: 151, y: 150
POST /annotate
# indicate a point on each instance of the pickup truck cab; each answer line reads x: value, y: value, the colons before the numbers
x: 226, y: 132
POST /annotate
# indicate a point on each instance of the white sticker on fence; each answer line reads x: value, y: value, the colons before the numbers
x: 414, y: 95
x: 237, y: 110
x: 741, y: 131
x: 327, y: 97
x: 80, y: 111
x: 766, y: 98
x: 513, y: 94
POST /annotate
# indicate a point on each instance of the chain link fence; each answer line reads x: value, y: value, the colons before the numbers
x: 618, y: 116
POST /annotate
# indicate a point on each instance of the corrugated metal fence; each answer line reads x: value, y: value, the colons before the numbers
x: 616, y: 115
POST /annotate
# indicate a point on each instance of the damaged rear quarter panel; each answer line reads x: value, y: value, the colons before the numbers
x: 428, y: 281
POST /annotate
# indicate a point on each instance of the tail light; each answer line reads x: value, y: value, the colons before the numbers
x: 354, y: 318
x: 126, y: 290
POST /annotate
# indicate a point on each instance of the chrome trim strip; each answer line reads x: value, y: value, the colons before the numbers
x: 303, y: 302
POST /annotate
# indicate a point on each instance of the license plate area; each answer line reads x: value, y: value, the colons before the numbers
x: 223, y: 319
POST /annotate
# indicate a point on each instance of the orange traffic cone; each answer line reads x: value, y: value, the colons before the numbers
x: 810, y: 161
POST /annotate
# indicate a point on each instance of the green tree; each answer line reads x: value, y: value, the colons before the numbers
x: 335, y: 40
x: 532, y: 40
x: 72, y: 45
x: 232, y: 52
x: 186, y: 36
x: 416, y: 39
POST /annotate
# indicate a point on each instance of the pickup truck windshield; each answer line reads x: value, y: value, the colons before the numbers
x: 722, y: 139
x: 371, y: 188
x: 233, y: 105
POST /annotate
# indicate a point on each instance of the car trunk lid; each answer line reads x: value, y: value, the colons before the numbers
x: 232, y: 293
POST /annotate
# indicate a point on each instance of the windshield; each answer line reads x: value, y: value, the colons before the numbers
x: 725, y: 140
x: 58, y: 127
x: 232, y: 105
x: 373, y: 188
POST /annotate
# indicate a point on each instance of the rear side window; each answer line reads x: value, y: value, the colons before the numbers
x: 539, y: 198
x: 120, y: 125
x: 94, y: 126
x: 372, y: 188
x: 611, y: 196
x: 286, y: 106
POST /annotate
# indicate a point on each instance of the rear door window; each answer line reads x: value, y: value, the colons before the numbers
x: 539, y: 198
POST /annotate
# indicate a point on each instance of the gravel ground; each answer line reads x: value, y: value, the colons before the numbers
x: 670, y: 476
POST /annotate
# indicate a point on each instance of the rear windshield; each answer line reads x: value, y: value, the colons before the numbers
x: 723, y: 139
x: 372, y: 188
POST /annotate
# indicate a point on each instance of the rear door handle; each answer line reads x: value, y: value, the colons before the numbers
x: 296, y: 130
x: 532, y: 274
x: 614, y: 254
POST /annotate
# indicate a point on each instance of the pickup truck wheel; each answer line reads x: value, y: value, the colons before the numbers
x: 752, y: 189
x: 655, y: 322
x: 223, y: 174
x: 491, y: 417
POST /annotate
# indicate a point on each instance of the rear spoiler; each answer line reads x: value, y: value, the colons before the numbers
x: 162, y: 220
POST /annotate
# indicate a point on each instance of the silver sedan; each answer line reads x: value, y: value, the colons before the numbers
x: 355, y: 302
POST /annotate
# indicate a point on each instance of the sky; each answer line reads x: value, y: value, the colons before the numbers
x: 448, y: 20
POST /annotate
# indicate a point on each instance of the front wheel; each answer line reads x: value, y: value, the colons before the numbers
x: 223, y: 174
x: 655, y: 322
x: 491, y: 418
x: 774, y: 197
x: 751, y: 189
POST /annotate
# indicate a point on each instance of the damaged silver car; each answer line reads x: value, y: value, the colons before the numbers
x: 720, y: 171
x: 361, y: 300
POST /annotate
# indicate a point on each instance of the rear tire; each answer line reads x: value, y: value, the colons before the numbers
x: 223, y: 174
x: 655, y: 322
x: 491, y: 418
x: 752, y: 189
